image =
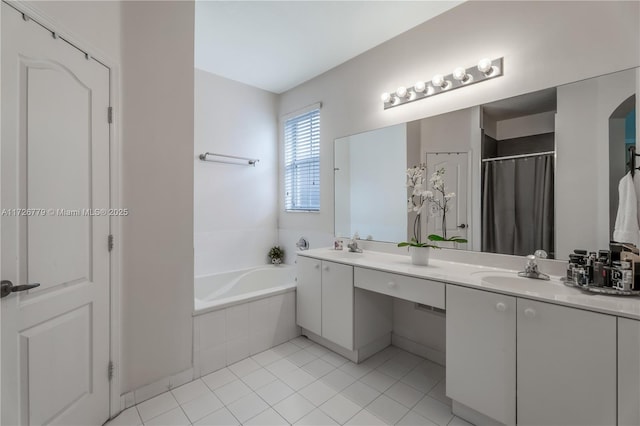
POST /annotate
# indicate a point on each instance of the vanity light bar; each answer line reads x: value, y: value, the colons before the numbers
x: 460, y: 77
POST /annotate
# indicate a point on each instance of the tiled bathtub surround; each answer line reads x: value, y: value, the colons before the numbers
x: 302, y: 383
x: 229, y: 335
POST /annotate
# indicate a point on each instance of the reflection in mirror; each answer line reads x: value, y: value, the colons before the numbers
x: 542, y: 169
x: 518, y: 151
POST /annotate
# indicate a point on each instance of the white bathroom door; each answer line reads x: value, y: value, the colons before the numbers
x: 54, y: 163
x: 456, y: 165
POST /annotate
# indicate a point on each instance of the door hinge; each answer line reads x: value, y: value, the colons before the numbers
x: 110, y: 115
x: 110, y: 242
x: 110, y: 370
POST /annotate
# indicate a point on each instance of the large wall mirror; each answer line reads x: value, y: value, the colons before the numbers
x: 537, y: 171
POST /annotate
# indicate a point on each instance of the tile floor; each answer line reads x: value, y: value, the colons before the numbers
x: 302, y: 383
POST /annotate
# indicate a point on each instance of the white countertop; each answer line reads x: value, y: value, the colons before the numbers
x: 487, y: 278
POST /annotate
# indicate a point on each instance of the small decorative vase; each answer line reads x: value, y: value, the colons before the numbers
x: 276, y: 261
x: 420, y: 255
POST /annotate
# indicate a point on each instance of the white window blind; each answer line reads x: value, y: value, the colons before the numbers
x: 302, y: 162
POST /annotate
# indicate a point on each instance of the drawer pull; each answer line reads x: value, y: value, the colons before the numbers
x: 317, y: 266
x: 391, y: 284
x: 501, y: 307
x: 326, y: 268
x: 529, y: 313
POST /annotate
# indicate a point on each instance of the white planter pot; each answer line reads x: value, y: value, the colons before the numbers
x: 420, y: 255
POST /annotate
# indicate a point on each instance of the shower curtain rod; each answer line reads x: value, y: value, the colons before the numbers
x: 510, y: 157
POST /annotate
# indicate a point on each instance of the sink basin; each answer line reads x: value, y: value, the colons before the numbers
x: 483, y: 274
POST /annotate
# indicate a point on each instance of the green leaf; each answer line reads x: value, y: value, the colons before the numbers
x: 434, y: 237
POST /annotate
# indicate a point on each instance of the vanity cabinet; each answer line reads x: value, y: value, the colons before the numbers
x: 481, y: 352
x: 324, y: 299
x: 559, y: 361
x: 628, y: 372
x: 566, y: 365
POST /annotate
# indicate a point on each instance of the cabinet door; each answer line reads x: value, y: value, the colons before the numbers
x: 481, y: 352
x: 628, y: 372
x: 308, y: 295
x: 566, y: 366
x: 337, y: 303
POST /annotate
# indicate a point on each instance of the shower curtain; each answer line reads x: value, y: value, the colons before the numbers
x: 517, y: 205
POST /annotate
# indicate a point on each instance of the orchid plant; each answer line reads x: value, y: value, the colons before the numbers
x: 437, y: 200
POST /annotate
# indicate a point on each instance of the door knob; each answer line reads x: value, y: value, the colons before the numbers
x: 501, y: 307
x: 529, y: 313
x: 462, y: 225
x: 7, y: 287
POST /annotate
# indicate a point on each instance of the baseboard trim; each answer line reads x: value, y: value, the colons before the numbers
x: 435, y: 355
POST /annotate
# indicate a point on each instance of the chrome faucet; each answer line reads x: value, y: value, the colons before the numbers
x: 531, y: 268
x: 353, y: 244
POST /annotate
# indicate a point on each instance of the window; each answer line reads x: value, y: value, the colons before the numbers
x: 302, y: 161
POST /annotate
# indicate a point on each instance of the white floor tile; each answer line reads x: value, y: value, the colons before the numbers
x: 201, y: 407
x: 155, y: 406
x: 247, y: 407
x: 301, y: 358
x: 457, y: 421
x: 317, y: 392
x: 334, y: 359
x: 174, y: 417
x: 222, y: 417
x: 281, y: 366
x: 244, y: 367
x: 340, y: 408
x: 190, y: 391
x: 267, y: 418
x: 414, y: 419
x: 338, y: 380
x: 420, y: 381
x: 377, y: 380
x: 365, y: 418
x: 408, y: 359
x: 274, y: 392
x: 387, y: 409
x: 316, y: 349
x: 219, y: 378
x: 297, y: 379
x: 232, y: 392
x: 395, y: 369
x: 258, y: 378
x: 303, y: 342
x: 439, y: 392
x: 404, y: 394
x: 360, y: 393
x: 267, y: 357
x: 318, y: 367
x: 316, y: 418
x: 293, y: 408
x: 434, y: 410
x: 128, y: 417
x: 355, y: 370
x: 286, y: 349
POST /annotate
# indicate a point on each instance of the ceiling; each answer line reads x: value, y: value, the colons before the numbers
x: 277, y: 45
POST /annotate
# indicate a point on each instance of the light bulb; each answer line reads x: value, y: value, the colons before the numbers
x: 485, y: 66
x: 386, y: 97
x: 459, y: 73
x: 420, y: 87
x: 438, y: 80
x: 401, y: 92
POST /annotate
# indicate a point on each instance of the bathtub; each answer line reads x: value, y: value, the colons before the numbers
x: 226, y: 289
x: 241, y: 313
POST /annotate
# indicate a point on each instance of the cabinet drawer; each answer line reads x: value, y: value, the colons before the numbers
x: 418, y: 290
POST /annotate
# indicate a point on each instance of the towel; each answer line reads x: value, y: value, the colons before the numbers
x: 626, y: 229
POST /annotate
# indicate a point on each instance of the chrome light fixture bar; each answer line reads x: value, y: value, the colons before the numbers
x: 460, y: 77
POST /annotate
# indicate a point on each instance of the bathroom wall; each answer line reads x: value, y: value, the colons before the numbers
x: 157, y: 187
x: 534, y: 60
x: 235, y: 206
